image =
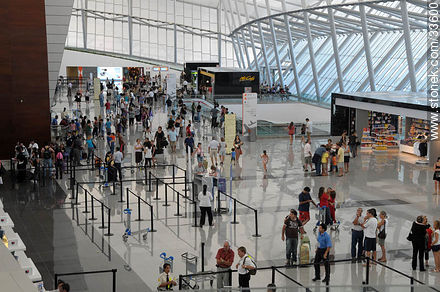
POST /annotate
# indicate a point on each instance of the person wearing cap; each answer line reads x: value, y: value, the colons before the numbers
x: 290, y: 230
x: 225, y: 258
x: 304, y: 205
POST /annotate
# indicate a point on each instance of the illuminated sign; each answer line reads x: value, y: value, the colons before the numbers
x: 158, y: 68
x: 247, y: 78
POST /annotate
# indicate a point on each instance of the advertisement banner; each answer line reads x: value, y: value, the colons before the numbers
x: 171, y: 85
x: 96, y: 88
x: 230, y: 131
x: 249, y: 115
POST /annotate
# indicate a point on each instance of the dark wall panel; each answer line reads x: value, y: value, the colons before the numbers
x: 24, y: 88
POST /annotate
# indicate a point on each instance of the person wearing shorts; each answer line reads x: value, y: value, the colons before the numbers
x: 213, y: 147
x: 222, y: 150
x: 304, y: 205
x: 340, y: 159
x: 370, y: 226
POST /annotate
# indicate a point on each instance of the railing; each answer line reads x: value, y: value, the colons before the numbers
x: 235, y: 211
x: 113, y: 271
x: 93, y: 198
x: 139, y: 199
x: 275, y: 269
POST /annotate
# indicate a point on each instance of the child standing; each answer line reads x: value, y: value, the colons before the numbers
x: 265, y: 159
x: 233, y: 155
x: 324, y: 162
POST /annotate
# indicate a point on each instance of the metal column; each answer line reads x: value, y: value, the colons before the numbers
x: 409, y: 54
x: 263, y: 46
x: 292, y: 54
x: 239, y: 60
x: 335, y: 48
x: 84, y: 21
x: 219, y: 35
x: 367, y: 47
x: 251, y: 36
x: 237, y: 38
x: 175, y: 34
x: 242, y: 35
x: 311, y: 53
x: 130, y: 27
x: 275, y: 46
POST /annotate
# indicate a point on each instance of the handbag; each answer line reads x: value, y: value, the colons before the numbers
x: 410, y: 236
x: 382, y: 234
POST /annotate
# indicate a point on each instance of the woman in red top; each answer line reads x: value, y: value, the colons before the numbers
x: 428, y: 238
x: 323, y: 197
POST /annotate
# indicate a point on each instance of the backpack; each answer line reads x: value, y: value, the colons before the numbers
x: 47, y: 154
x: 252, y: 272
x: 59, y: 156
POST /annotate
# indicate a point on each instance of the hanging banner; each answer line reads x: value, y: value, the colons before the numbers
x: 171, y: 85
x: 249, y: 114
x: 230, y: 131
x: 96, y: 88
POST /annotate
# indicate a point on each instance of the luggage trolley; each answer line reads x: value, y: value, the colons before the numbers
x: 128, y: 231
x: 324, y: 216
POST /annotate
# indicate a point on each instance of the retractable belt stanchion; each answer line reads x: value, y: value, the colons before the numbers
x: 152, y: 219
x: 256, y: 225
x: 166, y: 196
x: 108, y: 223
x: 235, y: 213
x: 86, y: 195
x: 93, y: 210
x: 102, y: 216
x: 178, y: 205
x: 127, y: 198
x: 157, y: 189
x: 139, y: 209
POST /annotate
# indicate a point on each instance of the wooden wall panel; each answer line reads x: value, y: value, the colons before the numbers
x: 24, y: 89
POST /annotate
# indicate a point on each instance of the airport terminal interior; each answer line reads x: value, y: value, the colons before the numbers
x: 219, y: 145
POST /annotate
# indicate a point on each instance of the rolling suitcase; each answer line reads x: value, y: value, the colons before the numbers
x: 304, y: 251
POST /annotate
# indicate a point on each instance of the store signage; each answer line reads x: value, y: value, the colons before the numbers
x: 246, y: 78
x: 249, y: 109
x: 230, y: 131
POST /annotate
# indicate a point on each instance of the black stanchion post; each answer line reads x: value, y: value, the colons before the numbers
x: 166, y: 196
x: 145, y: 176
x: 157, y: 188
x: 152, y: 221
x: 93, y: 209
x: 139, y: 209
x: 180, y: 282
x: 367, y: 276
x: 178, y: 205
x: 114, y: 188
x: 411, y: 282
x: 193, y: 193
x: 114, y: 279
x: 195, y: 214
x: 102, y: 216
x: 235, y: 213
x: 128, y: 198
x: 93, y: 160
x: 230, y: 277
x: 256, y: 224
x: 273, y: 275
x: 108, y: 224
x: 72, y: 188
x: 149, y: 181
x: 121, y: 190
x: 77, y: 191
x: 85, y: 197
x: 56, y: 280
x: 174, y: 176
x: 203, y: 256
x: 218, y: 202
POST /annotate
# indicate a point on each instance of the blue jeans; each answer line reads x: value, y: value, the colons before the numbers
x: 291, y: 248
x: 47, y: 165
x: 357, y: 238
x: 318, y: 167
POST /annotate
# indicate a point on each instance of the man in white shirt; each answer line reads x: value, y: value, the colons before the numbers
x: 166, y: 279
x: 245, y: 264
x: 357, y: 235
x: 213, y: 150
x: 118, y: 156
x: 370, y: 226
x: 308, y: 155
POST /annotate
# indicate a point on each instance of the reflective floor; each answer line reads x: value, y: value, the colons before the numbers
x: 390, y: 182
